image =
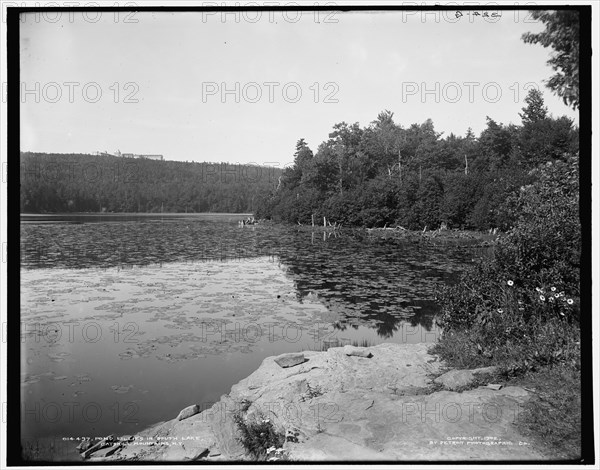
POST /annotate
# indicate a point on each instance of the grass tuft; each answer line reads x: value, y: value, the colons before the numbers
x: 259, y: 437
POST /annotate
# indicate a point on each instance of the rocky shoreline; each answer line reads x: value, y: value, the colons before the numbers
x: 391, y: 402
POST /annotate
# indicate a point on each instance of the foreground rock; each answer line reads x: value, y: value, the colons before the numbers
x: 359, y: 352
x: 340, y: 407
x: 290, y: 360
x: 456, y: 379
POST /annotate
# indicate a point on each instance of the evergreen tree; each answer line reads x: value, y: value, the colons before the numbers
x: 535, y: 109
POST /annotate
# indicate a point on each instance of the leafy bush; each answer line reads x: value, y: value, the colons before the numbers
x: 521, y: 309
x: 544, y: 246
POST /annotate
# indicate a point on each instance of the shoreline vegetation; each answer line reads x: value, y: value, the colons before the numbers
x: 521, y: 310
x: 400, y: 233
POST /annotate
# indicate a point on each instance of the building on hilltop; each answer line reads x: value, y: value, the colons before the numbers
x: 137, y: 155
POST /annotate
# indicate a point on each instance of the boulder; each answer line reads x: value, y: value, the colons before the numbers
x: 456, y: 379
x: 188, y: 412
x: 354, y: 351
x: 494, y: 386
x: 290, y: 359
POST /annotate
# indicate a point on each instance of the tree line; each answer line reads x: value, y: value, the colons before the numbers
x: 414, y: 177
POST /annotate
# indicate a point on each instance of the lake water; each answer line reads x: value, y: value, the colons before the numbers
x: 127, y: 319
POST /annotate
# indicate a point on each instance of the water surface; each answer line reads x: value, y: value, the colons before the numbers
x: 128, y: 319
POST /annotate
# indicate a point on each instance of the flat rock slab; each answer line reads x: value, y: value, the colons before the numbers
x: 290, y: 360
x: 344, y: 408
x: 455, y: 379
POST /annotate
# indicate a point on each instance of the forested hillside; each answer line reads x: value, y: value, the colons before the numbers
x: 415, y: 176
x: 104, y: 183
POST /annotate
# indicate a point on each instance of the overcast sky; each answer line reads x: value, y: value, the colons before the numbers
x: 167, y: 83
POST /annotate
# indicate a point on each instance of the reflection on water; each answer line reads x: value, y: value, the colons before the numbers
x: 135, y: 318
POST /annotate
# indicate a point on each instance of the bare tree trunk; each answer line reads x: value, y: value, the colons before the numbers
x: 399, y: 165
x: 341, y: 178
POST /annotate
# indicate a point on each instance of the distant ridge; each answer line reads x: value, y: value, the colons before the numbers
x: 106, y: 183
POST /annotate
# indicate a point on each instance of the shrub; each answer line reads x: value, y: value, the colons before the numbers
x: 544, y: 245
x: 521, y: 309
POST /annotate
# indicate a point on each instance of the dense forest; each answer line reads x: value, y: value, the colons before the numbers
x: 105, y: 183
x: 415, y: 177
